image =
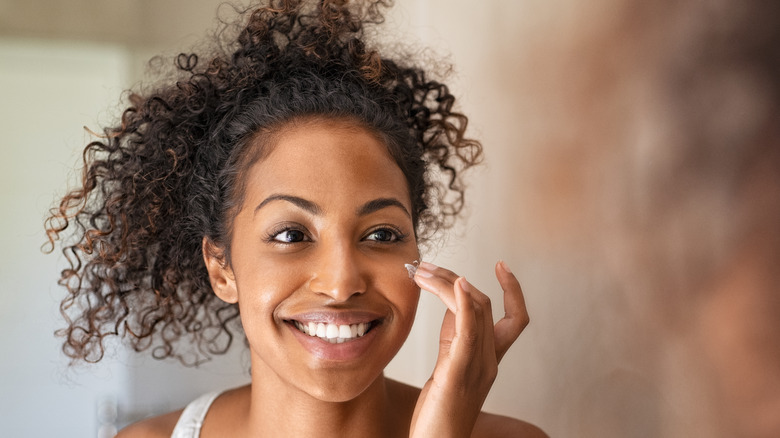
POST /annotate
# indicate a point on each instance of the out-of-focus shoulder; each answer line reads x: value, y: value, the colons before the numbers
x: 499, y: 426
x: 156, y: 427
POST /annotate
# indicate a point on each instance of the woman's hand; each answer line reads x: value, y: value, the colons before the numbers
x: 470, y: 347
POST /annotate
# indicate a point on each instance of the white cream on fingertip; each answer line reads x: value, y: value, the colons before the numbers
x: 411, y: 268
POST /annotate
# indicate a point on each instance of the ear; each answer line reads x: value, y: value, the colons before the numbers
x: 223, y: 282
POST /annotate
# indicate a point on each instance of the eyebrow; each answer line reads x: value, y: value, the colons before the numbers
x: 364, y: 210
x: 297, y: 201
x: 378, y: 204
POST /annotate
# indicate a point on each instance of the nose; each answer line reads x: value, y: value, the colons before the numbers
x: 337, y: 272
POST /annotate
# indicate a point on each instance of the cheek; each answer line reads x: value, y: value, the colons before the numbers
x: 404, y: 294
x: 392, y: 279
x: 262, y: 287
x: 265, y: 285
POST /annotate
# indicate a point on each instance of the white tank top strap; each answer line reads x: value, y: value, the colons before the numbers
x: 191, y: 419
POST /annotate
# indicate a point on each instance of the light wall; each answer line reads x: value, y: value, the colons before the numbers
x: 49, y: 91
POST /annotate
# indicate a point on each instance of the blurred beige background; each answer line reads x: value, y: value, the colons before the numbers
x: 554, y: 89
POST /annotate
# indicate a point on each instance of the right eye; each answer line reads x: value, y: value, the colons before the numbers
x: 289, y: 236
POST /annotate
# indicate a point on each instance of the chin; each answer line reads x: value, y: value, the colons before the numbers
x: 341, y: 389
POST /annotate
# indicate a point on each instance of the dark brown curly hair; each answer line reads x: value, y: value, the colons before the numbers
x: 172, y: 171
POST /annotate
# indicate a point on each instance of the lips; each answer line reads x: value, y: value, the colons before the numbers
x: 336, y: 335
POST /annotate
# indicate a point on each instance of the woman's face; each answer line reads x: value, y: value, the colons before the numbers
x: 317, y: 260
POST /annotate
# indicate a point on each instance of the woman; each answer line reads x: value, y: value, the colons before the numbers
x: 287, y: 181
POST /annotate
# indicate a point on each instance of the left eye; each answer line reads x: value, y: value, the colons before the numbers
x: 382, y: 235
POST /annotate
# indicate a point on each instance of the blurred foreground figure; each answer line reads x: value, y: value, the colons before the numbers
x: 662, y: 171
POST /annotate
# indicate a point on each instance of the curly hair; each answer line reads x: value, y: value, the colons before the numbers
x: 171, y: 172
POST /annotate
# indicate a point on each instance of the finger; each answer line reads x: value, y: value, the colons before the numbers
x: 440, y: 272
x: 466, y: 339
x: 515, y: 317
x: 483, y: 315
x: 439, y: 281
x: 446, y: 336
x: 483, y: 312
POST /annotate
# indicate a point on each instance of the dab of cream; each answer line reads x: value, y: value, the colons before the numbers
x: 411, y: 268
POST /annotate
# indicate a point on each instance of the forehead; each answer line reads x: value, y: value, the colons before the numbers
x: 327, y: 160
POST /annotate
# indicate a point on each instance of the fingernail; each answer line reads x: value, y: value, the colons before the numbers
x: 505, y: 267
x: 428, y: 266
x: 423, y: 272
x: 465, y: 284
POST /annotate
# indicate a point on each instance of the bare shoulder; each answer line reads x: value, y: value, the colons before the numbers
x: 499, y: 426
x: 156, y: 427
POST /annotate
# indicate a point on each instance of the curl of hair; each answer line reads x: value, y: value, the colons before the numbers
x: 171, y: 172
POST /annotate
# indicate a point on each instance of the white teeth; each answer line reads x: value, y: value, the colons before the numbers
x: 312, y: 329
x: 333, y: 333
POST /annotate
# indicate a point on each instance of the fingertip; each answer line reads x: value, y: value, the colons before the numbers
x: 464, y: 284
x: 505, y: 275
x: 429, y: 266
x: 462, y: 295
x: 422, y: 273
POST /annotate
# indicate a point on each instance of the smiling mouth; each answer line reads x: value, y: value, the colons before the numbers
x: 334, y: 333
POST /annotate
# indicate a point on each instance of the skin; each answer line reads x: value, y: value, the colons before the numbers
x: 323, y: 235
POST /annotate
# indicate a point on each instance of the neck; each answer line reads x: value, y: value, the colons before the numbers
x: 280, y: 408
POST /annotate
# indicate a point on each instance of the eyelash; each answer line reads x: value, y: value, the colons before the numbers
x: 398, y: 236
x: 273, y: 234
x: 271, y: 237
